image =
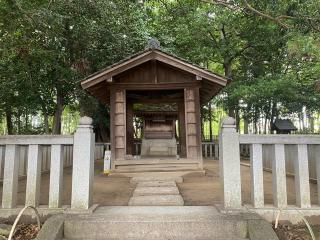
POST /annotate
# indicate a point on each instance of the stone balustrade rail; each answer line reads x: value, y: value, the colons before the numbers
x: 31, y: 155
x: 301, y: 149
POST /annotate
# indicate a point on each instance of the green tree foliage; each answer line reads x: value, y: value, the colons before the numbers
x: 48, y: 46
x: 268, y: 49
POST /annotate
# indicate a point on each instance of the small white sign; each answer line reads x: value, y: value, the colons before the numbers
x: 107, y: 162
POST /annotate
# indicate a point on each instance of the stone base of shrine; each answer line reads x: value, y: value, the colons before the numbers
x: 159, y: 147
x: 157, y: 164
x: 147, y: 174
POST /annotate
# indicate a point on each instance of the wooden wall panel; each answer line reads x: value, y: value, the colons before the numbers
x: 154, y: 72
x: 167, y: 73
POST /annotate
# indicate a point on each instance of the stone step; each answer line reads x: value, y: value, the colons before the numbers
x: 157, y: 184
x: 157, y: 167
x: 153, y: 173
x: 176, y: 179
x: 163, y: 238
x: 158, y: 223
x: 149, y: 191
x: 156, y: 200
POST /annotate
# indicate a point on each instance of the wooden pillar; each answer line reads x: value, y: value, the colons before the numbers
x: 117, y: 124
x: 129, y: 126
x: 111, y: 118
x: 182, y: 129
x: 198, y: 124
x: 193, y: 128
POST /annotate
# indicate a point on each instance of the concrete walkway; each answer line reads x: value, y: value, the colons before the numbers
x: 156, y: 192
x: 196, y: 189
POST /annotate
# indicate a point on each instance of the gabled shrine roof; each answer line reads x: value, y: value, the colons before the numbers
x: 147, y: 55
x: 284, y: 125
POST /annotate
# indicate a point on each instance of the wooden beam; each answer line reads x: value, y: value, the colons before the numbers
x: 158, y: 86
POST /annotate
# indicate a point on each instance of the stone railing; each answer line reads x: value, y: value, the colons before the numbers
x: 229, y: 158
x: 45, y: 153
x: 66, y: 150
x: 210, y: 149
x: 290, y: 153
x: 14, y: 155
x: 99, y: 150
x: 22, y: 154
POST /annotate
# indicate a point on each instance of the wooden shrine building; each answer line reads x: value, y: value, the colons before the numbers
x: 175, y: 88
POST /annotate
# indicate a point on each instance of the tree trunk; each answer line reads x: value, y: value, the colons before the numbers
x: 265, y: 124
x: 237, y: 115
x: 9, y: 121
x: 56, y: 129
x: 300, y: 121
x: 227, y: 66
x: 311, y: 122
x: 228, y: 74
x: 19, y: 121
x: 255, y: 120
x: 45, y: 118
x: 46, y: 123
x: 273, y: 115
x: 245, y: 125
x: 26, y: 120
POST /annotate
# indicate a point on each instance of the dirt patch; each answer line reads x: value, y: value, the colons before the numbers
x: 199, y: 189
x: 107, y: 190
x: 112, y: 191
x: 296, y: 232
x: 205, y: 189
x: 26, y: 232
x: 23, y: 231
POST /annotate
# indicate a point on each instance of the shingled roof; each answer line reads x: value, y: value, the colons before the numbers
x: 283, y: 125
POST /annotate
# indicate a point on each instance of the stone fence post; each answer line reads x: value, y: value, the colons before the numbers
x: 229, y: 164
x: 83, y: 165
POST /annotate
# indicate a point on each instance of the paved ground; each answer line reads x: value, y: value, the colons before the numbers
x: 196, y: 189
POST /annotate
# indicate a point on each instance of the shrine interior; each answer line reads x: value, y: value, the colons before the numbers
x: 155, y: 123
